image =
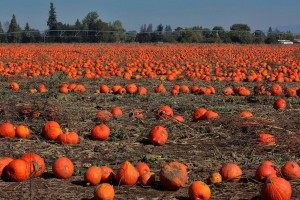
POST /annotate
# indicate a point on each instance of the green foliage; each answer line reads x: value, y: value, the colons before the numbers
x: 52, y: 21
x: 14, y: 29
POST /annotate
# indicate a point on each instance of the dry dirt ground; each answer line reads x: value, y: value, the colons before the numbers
x: 203, y: 146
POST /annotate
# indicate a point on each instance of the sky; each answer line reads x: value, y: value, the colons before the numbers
x: 258, y: 14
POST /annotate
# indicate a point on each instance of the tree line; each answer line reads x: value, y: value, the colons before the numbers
x: 92, y: 29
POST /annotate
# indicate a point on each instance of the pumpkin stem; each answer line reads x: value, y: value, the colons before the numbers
x: 66, y: 131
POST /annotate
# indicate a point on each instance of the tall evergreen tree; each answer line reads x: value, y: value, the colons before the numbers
x: 14, y: 29
x: 52, y: 21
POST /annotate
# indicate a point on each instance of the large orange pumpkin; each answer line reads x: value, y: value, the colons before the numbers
x: 127, y: 174
x: 276, y: 188
x: 17, y: 170
x: 37, y: 163
x: 173, y: 175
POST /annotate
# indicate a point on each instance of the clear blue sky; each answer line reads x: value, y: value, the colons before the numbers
x: 258, y: 14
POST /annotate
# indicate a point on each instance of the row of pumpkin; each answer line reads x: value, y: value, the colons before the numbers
x: 172, y: 176
x: 157, y: 136
x: 132, y: 88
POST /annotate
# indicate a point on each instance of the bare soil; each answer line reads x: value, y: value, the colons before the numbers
x: 203, y: 146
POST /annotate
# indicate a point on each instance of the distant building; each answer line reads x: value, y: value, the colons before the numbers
x: 285, y: 42
x: 296, y: 41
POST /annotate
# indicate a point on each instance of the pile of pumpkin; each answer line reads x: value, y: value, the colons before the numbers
x: 172, y: 176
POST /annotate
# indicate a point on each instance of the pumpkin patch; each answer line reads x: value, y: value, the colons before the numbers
x: 149, y: 121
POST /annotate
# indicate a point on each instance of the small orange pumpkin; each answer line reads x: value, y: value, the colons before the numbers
x: 116, y: 111
x: 104, y: 191
x: 215, y: 177
x: 107, y: 174
x: 100, y: 132
x: 7, y: 130
x: 22, y: 131
x: 147, y: 178
x: 291, y: 170
x: 198, y: 114
x: 14, y: 86
x: 158, y: 135
x: 199, y: 190
x: 231, y: 172
x: 165, y: 112
x: 63, y: 168
x: 104, y: 115
x: 68, y: 138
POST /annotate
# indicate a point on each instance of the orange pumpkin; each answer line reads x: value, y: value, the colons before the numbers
x: 100, y: 132
x: 14, y: 86
x: 199, y: 114
x: 142, y: 168
x: 199, y: 190
x: 279, y: 104
x: 63, y: 168
x: 142, y: 91
x: 104, y: 89
x: 50, y: 124
x: 127, y: 174
x: 276, y: 90
x: 276, y: 188
x: 264, y: 170
x: 7, y: 130
x: 210, y: 115
x: 107, y: 174
x: 265, y: 138
x: 22, y: 131
x: 215, y: 177
x: 231, y: 172
x: 158, y: 135
x: 17, y: 170
x: 68, y: 138
x: 52, y: 133
x: 116, y: 111
x: 93, y: 175
x: 37, y: 164
x: 104, y: 191
x: 131, y: 88
x: 136, y: 114
x: 164, y: 112
x: 291, y: 170
x: 245, y: 114
x: 173, y: 175
x: 104, y: 115
x: 147, y: 178
x: 178, y: 118
x: 227, y: 91
x: 3, y: 162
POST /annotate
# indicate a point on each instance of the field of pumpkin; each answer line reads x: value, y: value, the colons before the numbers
x: 131, y: 121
